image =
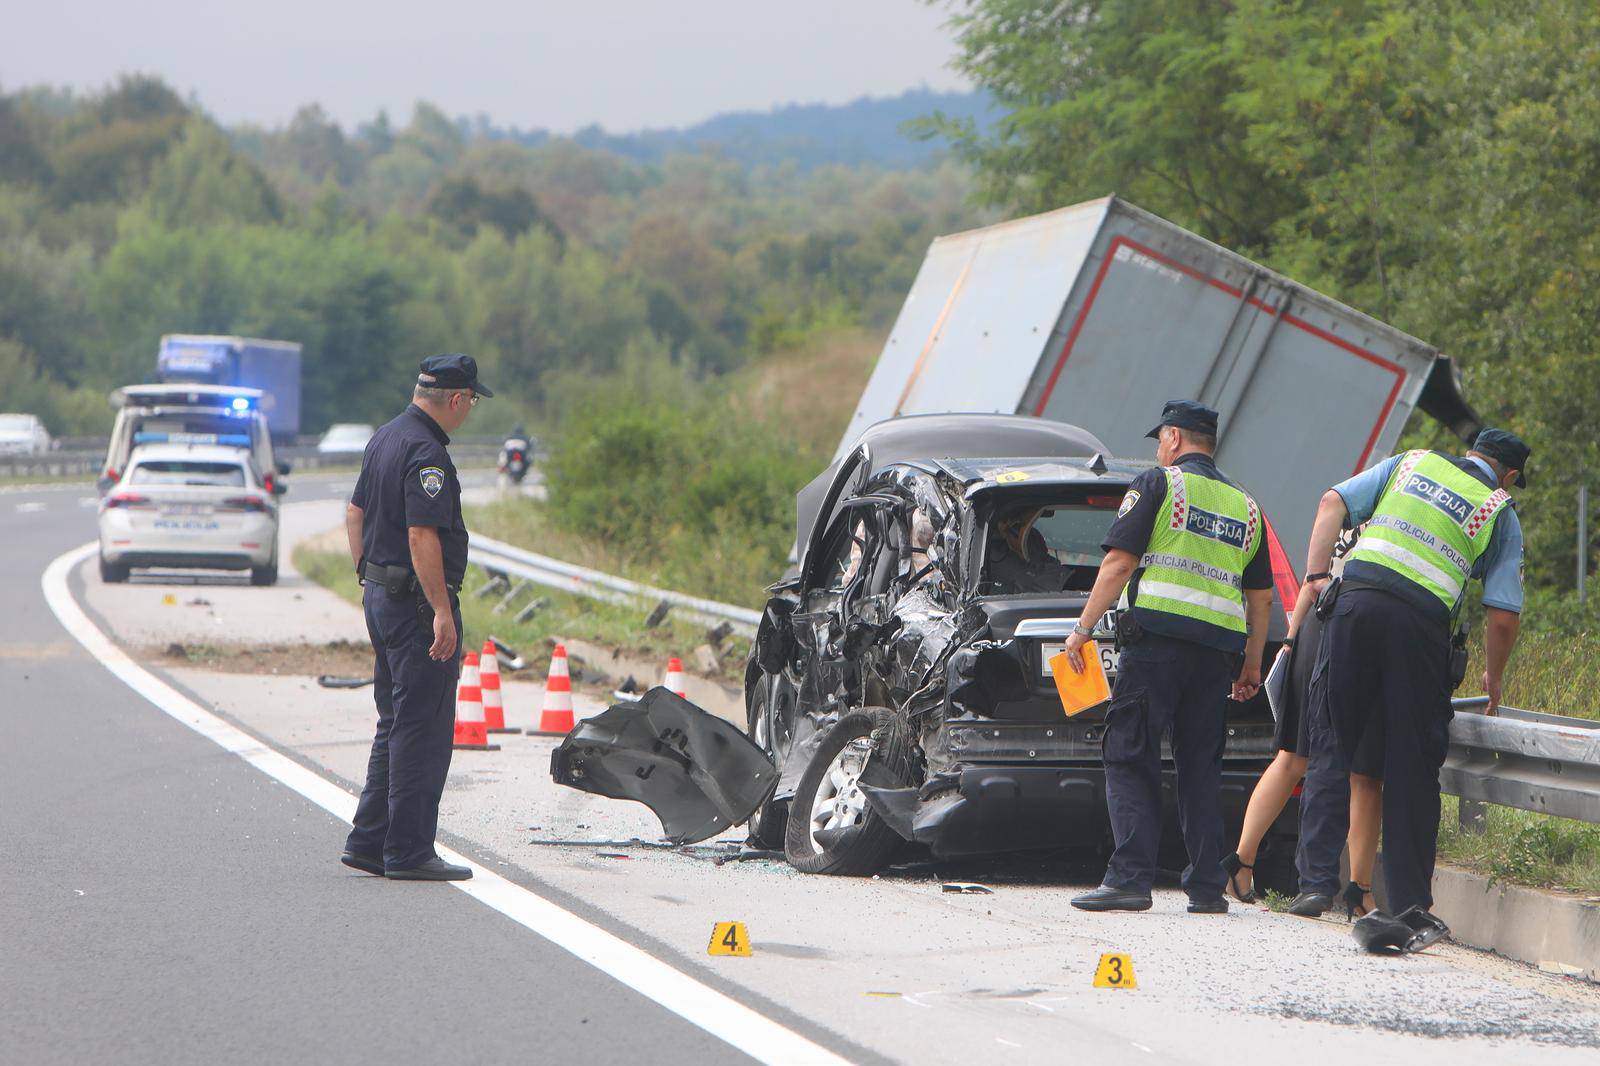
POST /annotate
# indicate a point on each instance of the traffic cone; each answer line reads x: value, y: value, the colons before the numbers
x: 674, y: 680
x: 494, y: 707
x: 556, y: 718
x: 471, y: 732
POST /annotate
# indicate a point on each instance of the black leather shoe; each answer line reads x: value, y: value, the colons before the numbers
x: 362, y: 863
x: 432, y: 870
x: 1311, y: 904
x: 1106, y: 898
x: 1219, y: 905
x: 1426, y: 929
x: 1381, y: 934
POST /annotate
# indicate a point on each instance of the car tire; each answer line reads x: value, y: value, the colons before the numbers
x: 112, y: 573
x: 266, y: 575
x: 865, y: 850
x: 766, y: 826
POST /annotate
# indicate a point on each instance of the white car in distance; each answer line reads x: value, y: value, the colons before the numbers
x: 345, y: 438
x: 23, y: 435
x: 189, y: 506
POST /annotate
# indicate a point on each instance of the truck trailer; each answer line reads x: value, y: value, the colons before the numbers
x: 1096, y: 314
x: 247, y: 362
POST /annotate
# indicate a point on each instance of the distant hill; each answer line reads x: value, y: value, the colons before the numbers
x: 865, y: 131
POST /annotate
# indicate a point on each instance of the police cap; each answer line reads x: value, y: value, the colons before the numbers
x: 1187, y: 414
x: 452, y: 371
x: 1505, y: 448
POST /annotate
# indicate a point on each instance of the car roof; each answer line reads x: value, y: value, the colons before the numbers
x: 1027, y: 473
x: 199, y: 453
x: 967, y: 434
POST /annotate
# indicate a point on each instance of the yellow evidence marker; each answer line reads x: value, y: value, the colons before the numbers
x: 729, y: 938
x: 169, y: 600
x: 1115, y: 971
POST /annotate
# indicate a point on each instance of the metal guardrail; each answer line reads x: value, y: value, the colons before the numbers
x: 500, y: 557
x: 65, y: 463
x: 1536, y: 762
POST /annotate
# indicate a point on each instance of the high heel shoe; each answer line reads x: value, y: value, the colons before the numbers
x: 1231, y: 865
x: 1354, y: 898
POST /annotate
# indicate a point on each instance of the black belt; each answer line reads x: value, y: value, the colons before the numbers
x: 396, y: 579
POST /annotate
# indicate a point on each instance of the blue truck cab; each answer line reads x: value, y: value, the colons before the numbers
x: 247, y: 362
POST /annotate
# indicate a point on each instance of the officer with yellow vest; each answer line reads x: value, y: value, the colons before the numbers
x: 1187, y: 545
x: 1433, y: 521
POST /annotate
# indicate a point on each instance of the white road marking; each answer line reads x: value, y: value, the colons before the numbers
x: 1007, y: 1043
x: 88, y: 501
x: 30, y: 508
x: 724, y: 1018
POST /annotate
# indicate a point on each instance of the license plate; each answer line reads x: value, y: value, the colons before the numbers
x: 1110, y: 658
x: 185, y: 509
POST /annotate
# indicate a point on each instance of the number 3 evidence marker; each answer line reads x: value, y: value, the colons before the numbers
x: 1115, y: 971
x: 729, y: 938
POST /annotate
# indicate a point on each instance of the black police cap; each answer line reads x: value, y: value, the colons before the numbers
x: 1507, y: 449
x: 452, y: 371
x: 1186, y: 414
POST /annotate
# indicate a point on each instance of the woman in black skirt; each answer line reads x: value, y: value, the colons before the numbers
x: 1278, y: 782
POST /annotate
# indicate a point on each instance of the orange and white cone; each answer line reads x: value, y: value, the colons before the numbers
x: 674, y: 680
x: 472, y: 734
x: 494, y: 706
x: 556, y: 717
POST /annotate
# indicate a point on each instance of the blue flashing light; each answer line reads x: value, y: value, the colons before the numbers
x: 240, y: 403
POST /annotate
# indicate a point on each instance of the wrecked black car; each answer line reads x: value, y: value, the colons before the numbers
x: 900, y: 680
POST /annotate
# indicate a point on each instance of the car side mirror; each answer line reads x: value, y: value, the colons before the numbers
x: 279, y: 488
x: 283, y: 467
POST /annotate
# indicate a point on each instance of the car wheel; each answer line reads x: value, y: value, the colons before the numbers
x: 766, y: 826
x: 266, y: 575
x: 832, y: 829
x: 112, y: 573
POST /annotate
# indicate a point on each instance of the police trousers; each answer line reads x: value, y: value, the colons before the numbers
x: 1167, y: 686
x: 1382, y: 663
x: 398, y: 813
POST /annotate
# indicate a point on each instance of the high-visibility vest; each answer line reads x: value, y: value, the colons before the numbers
x: 1205, y: 533
x: 1431, y: 524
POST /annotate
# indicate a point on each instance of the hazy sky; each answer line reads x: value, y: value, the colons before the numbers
x: 625, y: 64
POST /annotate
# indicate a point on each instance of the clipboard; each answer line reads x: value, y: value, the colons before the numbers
x: 1277, y: 683
x: 1079, y: 692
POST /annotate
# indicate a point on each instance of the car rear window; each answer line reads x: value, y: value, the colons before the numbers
x: 1074, y: 533
x: 187, y: 472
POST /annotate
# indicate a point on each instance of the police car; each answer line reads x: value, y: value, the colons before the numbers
x: 190, y: 505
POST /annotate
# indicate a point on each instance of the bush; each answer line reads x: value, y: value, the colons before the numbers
x: 708, y: 494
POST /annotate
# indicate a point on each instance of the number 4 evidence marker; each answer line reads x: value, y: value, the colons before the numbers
x: 729, y: 938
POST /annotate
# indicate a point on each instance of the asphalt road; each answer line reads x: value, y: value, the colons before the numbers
x: 164, y: 902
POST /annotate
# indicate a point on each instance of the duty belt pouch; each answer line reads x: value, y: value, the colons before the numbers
x: 1125, y: 629
x: 1458, y: 658
x: 1329, y: 597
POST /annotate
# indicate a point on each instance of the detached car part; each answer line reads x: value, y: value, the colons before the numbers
x: 698, y: 773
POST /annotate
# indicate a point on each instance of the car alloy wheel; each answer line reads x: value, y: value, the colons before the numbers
x: 839, y: 802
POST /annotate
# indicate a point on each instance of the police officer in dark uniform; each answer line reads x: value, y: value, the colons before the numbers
x: 1432, y: 522
x: 1201, y: 593
x: 409, y: 544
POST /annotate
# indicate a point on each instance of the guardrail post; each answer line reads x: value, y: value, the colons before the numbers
x: 1473, y: 816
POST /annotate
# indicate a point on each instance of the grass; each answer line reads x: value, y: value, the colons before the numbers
x: 565, y: 617
x: 1524, y: 848
x: 1556, y: 673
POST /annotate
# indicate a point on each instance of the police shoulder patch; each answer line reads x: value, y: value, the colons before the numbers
x: 1128, y: 502
x: 432, y: 478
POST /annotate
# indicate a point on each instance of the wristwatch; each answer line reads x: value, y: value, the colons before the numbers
x: 1082, y: 630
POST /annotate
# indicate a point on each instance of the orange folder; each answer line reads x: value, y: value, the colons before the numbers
x: 1079, y: 692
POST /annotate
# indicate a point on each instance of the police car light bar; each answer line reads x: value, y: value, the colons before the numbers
x: 236, y: 440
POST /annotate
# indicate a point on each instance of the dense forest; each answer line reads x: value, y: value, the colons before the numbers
x: 129, y: 213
